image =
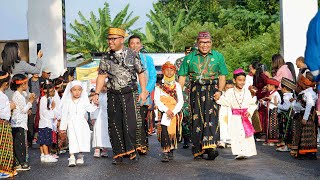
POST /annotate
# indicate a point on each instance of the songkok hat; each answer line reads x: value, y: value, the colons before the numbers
x: 238, y: 71
x: 168, y: 64
x: 204, y: 35
x: 273, y: 82
x: 117, y: 31
x: 288, y: 83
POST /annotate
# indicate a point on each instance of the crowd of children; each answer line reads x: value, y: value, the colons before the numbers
x: 58, y: 112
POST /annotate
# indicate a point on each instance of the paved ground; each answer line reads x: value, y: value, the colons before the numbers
x: 268, y: 164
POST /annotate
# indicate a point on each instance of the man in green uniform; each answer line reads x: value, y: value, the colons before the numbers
x: 186, y: 107
x: 205, y: 68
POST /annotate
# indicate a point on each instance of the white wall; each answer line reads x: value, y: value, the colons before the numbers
x: 45, y: 26
x: 295, y: 18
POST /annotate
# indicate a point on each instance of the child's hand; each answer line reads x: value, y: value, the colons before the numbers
x: 292, y: 99
x: 53, y: 105
x: 29, y: 112
x: 93, y: 121
x: 32, y: 97
x: 170, y: 114
x: 304, y: 122
x: 12, y: 105
x: 247, y: 114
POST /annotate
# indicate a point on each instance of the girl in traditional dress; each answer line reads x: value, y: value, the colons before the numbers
x: 75, y: 104
x: 169, y: 100
x: 271, y: 102
x: 6, y: 143
x: 243, y: 105
x: 101, y: 139
x: 304, y: 144
x: 46, y: 122
x: 19, y: 120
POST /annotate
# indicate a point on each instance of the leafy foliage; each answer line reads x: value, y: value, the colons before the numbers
x: 90, y: 34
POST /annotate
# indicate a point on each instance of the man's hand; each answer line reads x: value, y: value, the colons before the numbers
x: 170, y: 114
x: 217, y: 95
x: 40, y: 54
x: 143, y: 97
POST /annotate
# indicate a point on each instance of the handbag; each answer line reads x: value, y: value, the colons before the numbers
x: 256, y: 121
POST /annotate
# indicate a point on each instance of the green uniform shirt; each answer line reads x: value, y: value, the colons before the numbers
x: 198, y: 67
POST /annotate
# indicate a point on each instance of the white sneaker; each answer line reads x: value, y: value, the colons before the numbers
x: 283, y: 149
x: 80, y: 160
x: 72, y: 161
x: 49, y: 159
x: 4, y: 175
x: 42, y: 157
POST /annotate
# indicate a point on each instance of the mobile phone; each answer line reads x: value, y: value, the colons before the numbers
x: 38, y: 47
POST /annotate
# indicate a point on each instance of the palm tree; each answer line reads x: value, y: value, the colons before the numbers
x: 162, y: 30
x: 90, y: 34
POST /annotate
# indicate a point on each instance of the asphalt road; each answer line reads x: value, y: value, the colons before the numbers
x: 268, y: 164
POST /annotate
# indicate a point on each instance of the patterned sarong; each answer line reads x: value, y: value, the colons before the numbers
x: 205, y: 118
x: 6, y: 148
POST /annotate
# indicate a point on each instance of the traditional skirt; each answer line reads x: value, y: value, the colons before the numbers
x: 122, y: 120
x: 308, y: 142
x: 6, y: 148
x: 205, y: 118
x: 273, y: 126
x: 296, y: 133
x: 45, y: 136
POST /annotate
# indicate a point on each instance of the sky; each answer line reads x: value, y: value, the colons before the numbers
x: 13, y: 14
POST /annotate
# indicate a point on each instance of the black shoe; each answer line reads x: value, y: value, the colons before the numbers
x: 165, y: 157
x: 116, y: 161
x: 185, y: 146
x: 212, y: 154
x: 170, y: 155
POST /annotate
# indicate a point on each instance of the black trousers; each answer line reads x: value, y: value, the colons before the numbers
x: 122, y: 123
x: 144, y: 126
x: 19, y: 144
x: 30, y: 132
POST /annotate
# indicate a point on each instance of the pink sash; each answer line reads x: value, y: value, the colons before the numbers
x: 247, y: 126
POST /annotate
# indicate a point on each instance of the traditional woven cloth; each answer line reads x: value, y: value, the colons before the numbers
x: 273, y: 129
x: 6, y: 148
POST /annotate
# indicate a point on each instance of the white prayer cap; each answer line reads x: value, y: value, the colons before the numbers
x: 75, y: 83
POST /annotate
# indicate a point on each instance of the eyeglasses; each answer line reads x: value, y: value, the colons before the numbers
x: 113, y: 39
x: 202, y: 43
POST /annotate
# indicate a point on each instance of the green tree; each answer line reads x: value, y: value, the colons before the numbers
x: 162, y: 30
x: 90, y: 34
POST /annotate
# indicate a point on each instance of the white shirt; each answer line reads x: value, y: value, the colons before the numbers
x: 46, y: 115
x: 286, y: 102
x: 57, y: 110
x: 20, y: 114
x: 310, y: 97
x: 5, y: 111
x: 158, y: 93
x: 275, y: 98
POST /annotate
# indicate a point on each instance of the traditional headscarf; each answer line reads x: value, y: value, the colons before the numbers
x: 204, y: 35
x: 67, y: 96
x: 4, y: 76
x: 273, y: 82
x: 306, y: 82
x: 170, y: 82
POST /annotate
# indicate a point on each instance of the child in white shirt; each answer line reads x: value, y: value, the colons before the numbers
x: 19, y: 121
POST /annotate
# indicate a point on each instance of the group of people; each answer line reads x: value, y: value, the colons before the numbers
x: 194, y: 101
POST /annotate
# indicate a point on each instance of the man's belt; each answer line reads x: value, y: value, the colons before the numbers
x: 205, y: 81
x: 124, y: 90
